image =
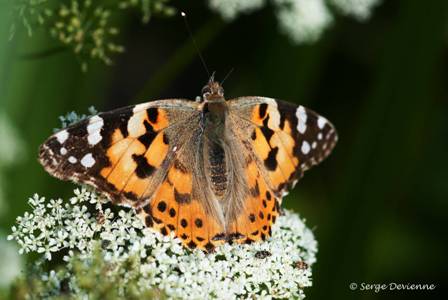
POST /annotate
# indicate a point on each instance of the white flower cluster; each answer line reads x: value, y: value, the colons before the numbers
x: 360, y: 9
x: 302, y: 20
x: 230, y: 9
x: 277, y: 268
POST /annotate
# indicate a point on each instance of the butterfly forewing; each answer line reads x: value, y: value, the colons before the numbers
x: 287, y: 139
x: 123, y: 152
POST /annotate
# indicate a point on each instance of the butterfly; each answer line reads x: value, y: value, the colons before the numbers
x: 211, y: 171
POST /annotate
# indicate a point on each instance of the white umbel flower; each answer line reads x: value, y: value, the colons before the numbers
x: 360, y: 9
x: 229, y: 9
x: 271, y: 269
x: 303, y: 20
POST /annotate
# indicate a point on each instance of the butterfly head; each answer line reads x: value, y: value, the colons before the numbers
x: 212, y: 91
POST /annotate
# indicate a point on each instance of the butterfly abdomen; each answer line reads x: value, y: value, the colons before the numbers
x: 218, y: 174
x: 214, y: 115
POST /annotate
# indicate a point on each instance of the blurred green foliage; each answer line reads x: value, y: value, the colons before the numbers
x: 379, y: 203
x: 85, y: 27
x: 93, y: 277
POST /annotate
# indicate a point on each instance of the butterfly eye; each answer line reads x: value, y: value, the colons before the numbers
x: 221, y: 91
x: 206, y: 90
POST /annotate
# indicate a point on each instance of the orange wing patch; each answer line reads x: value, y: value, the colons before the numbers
x: 135, y: 157
x: 272, y: 145
x: 172, y: 209
x: 260, y: 210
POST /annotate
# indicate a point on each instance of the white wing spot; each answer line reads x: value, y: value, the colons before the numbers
x: 321, y: 121
x: 63, y: 151
x: 96, y: 123
x: 314, y: 145
x: 305, y: 147
x: 140, y: 107
x: 72, y: 160
x: 62, y: 136
x: 301, y: 119
x: 274, y: 114
x: 319, y: 136
x: 88, y: 160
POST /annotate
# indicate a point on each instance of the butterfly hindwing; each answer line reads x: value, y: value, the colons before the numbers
x: 182, y: 203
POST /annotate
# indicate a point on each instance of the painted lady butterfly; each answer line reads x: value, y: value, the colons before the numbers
x: 211, y: 171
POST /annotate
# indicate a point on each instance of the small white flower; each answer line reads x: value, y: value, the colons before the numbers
x: 261, y: 270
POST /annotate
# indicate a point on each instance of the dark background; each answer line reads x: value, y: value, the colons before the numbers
x: 378, y: 204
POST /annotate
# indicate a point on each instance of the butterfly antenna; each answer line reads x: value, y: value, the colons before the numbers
x: 184, y: 16
x: 228, y: 74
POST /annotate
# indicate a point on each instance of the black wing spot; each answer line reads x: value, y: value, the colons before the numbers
x: 183, y: 223
x: 148, y: 221
x: 191, y: 245
x: 172, y: 212
x: 267, y: 132
x: 164, y: 231
x: 219, y: 237
x: 255, y: 191
x: 262, y: 110
x: 147, y: 138
x: 166, y: 141
x: 248, y: 241
x: 143, y: 169
x: 152, y: 114
x: 254, y: 135
x: 252, y: 218
x: 268, y: 195
x: 147, y: 209
x: 198, y: 223
x: 235, y: 236
x: 209, y: 247
x: 181, y: 198
x: 131, y: 196
x: 271, y: 161
x: 161, y: 206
